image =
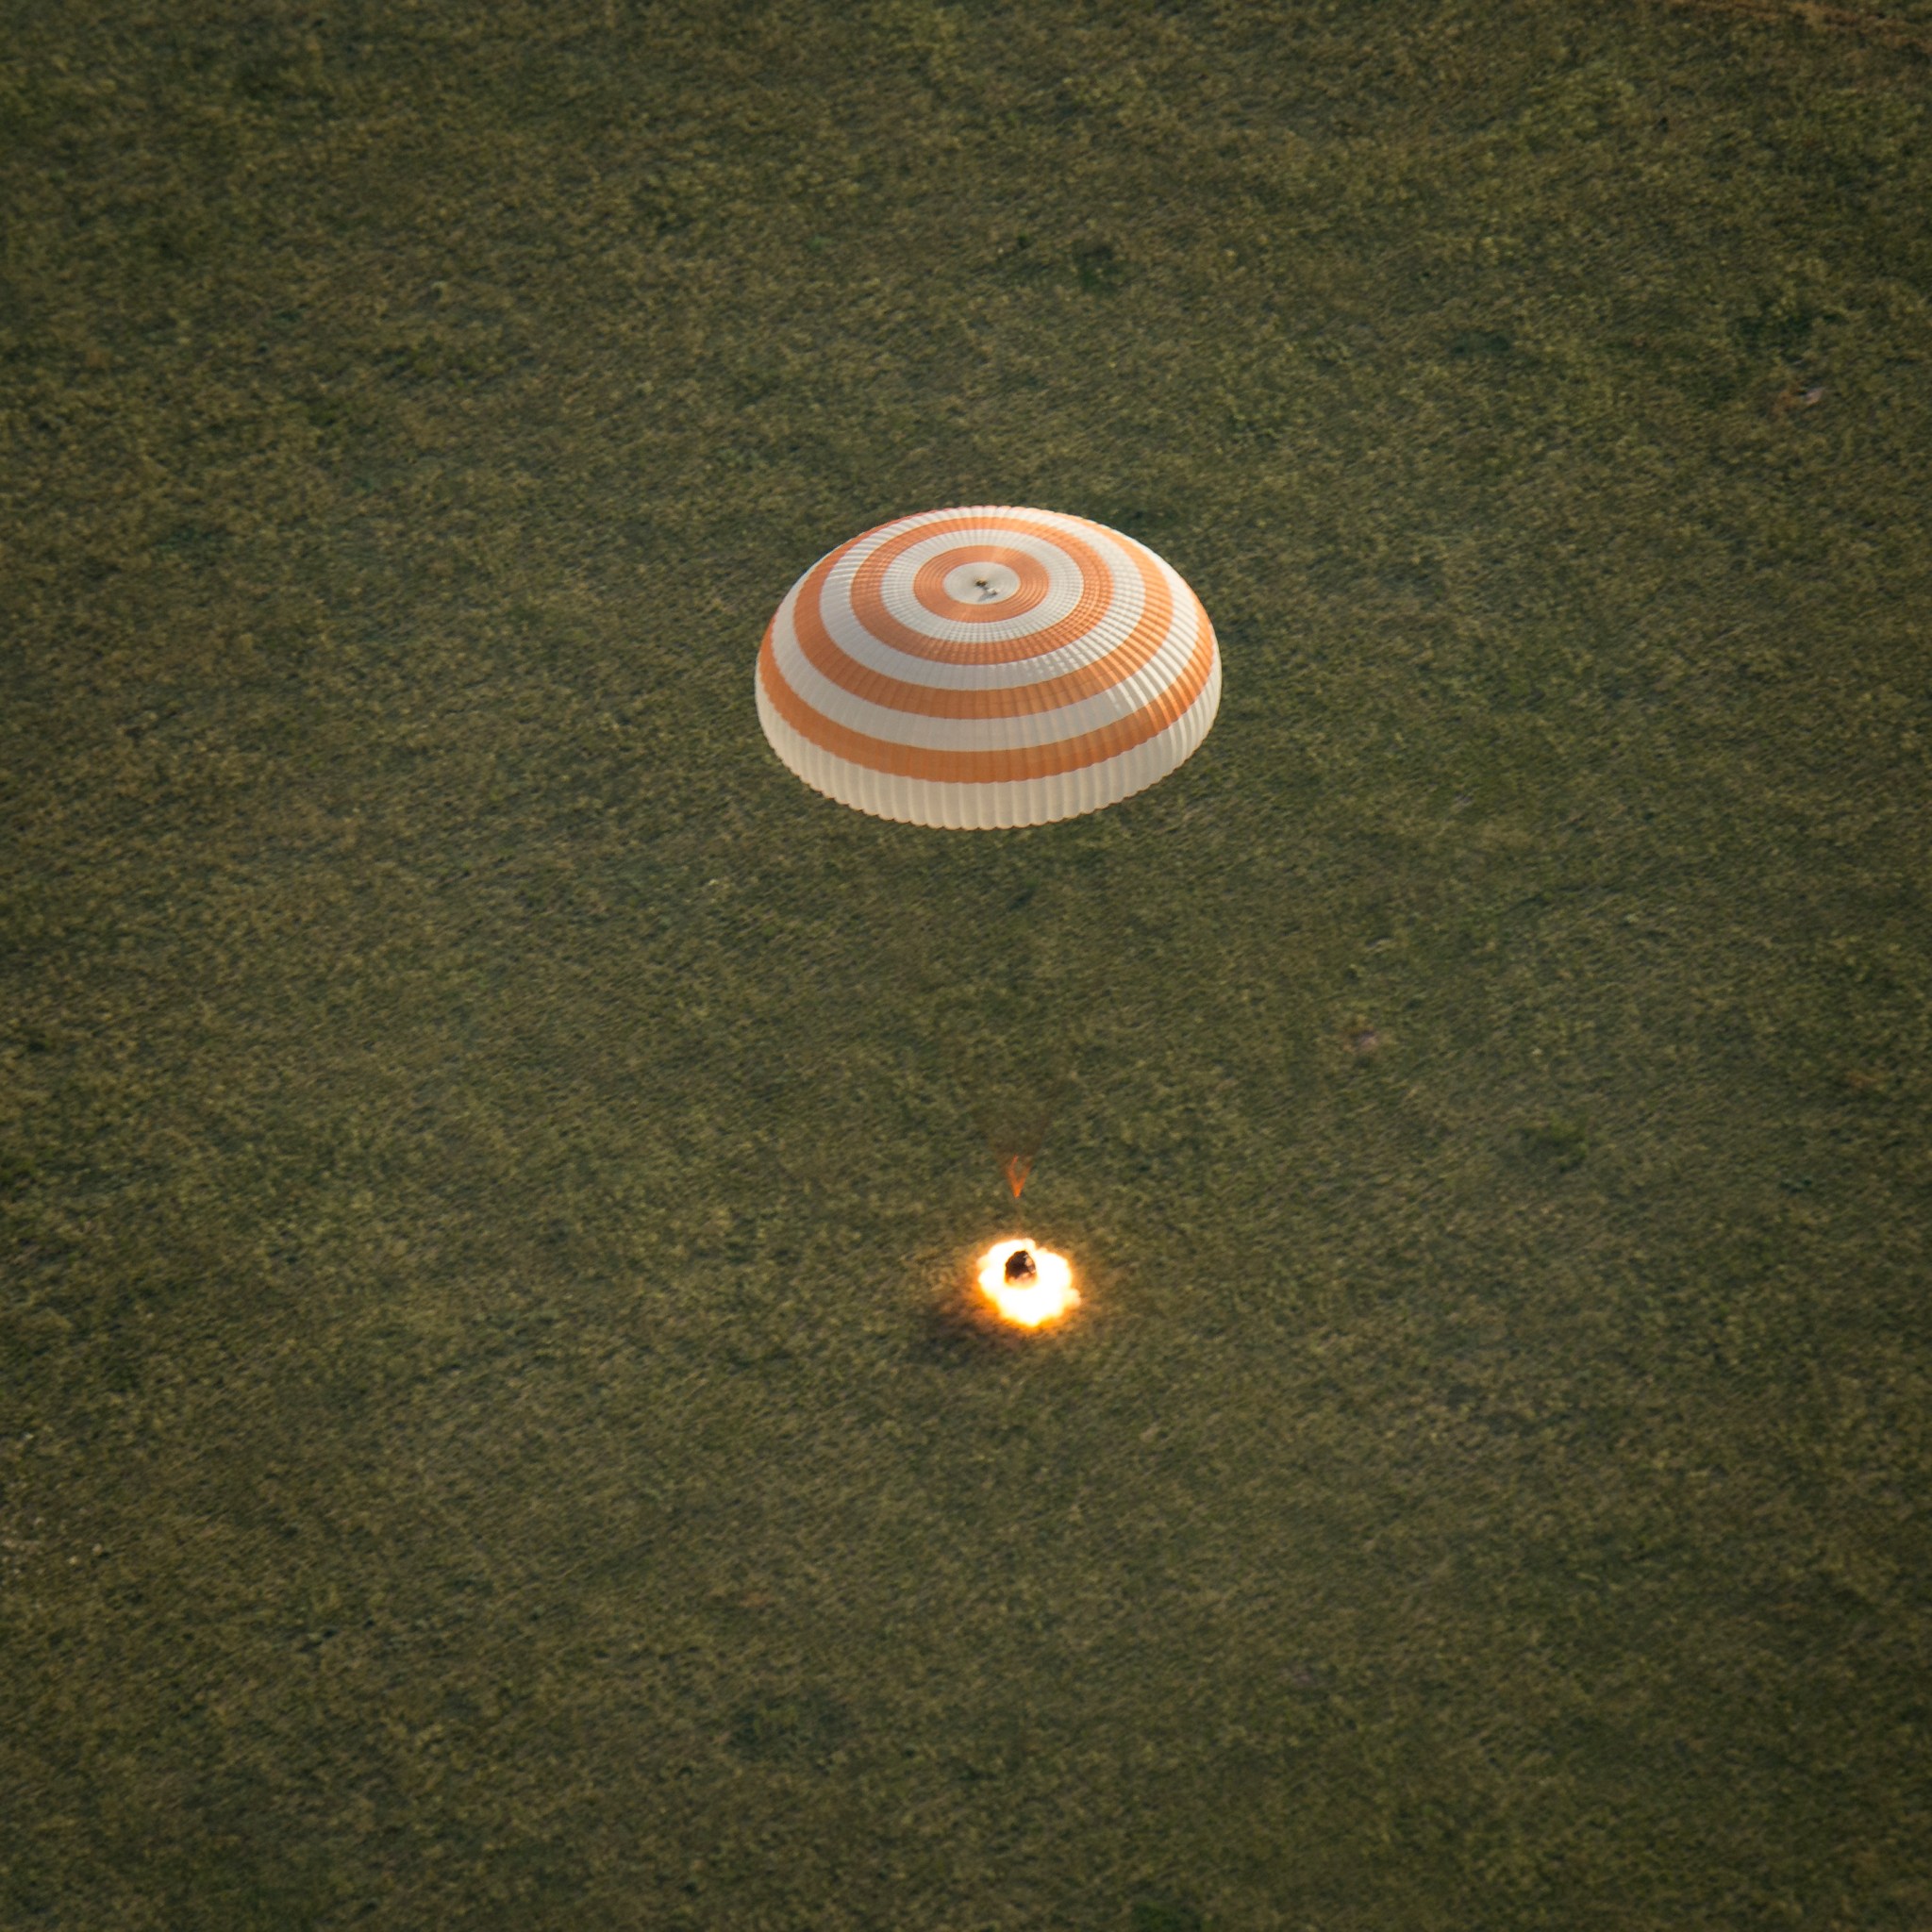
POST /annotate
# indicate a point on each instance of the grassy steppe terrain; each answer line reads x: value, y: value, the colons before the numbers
x: 482, y: 1171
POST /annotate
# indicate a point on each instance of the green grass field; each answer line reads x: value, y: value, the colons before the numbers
x: 488, y: 1160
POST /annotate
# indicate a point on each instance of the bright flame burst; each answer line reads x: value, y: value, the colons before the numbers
x: 1028, y: 1303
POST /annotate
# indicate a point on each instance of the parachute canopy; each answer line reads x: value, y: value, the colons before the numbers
x: 987, y: 667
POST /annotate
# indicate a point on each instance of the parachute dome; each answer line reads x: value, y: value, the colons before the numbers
x: 987, y: 667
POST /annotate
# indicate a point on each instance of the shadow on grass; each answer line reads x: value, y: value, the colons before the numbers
x: 957, y: 1332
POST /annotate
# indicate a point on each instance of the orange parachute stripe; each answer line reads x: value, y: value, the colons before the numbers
x: 1068, y: 614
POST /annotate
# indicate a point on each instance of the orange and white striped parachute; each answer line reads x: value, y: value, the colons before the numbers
x: 987, y: 667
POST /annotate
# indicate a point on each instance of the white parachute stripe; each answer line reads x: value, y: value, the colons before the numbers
x: 1064, y: 587
x: 990, y: 734
x: 1143, y: 687
x: 994, y: 806
x: 1065, y: 578
x: 842, y: 625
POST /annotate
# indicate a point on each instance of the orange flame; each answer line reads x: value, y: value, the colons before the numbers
x: 1028, y: 1303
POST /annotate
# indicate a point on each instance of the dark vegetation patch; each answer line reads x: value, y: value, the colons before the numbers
x: 804, y: 1727
x: 1559, y: 1143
